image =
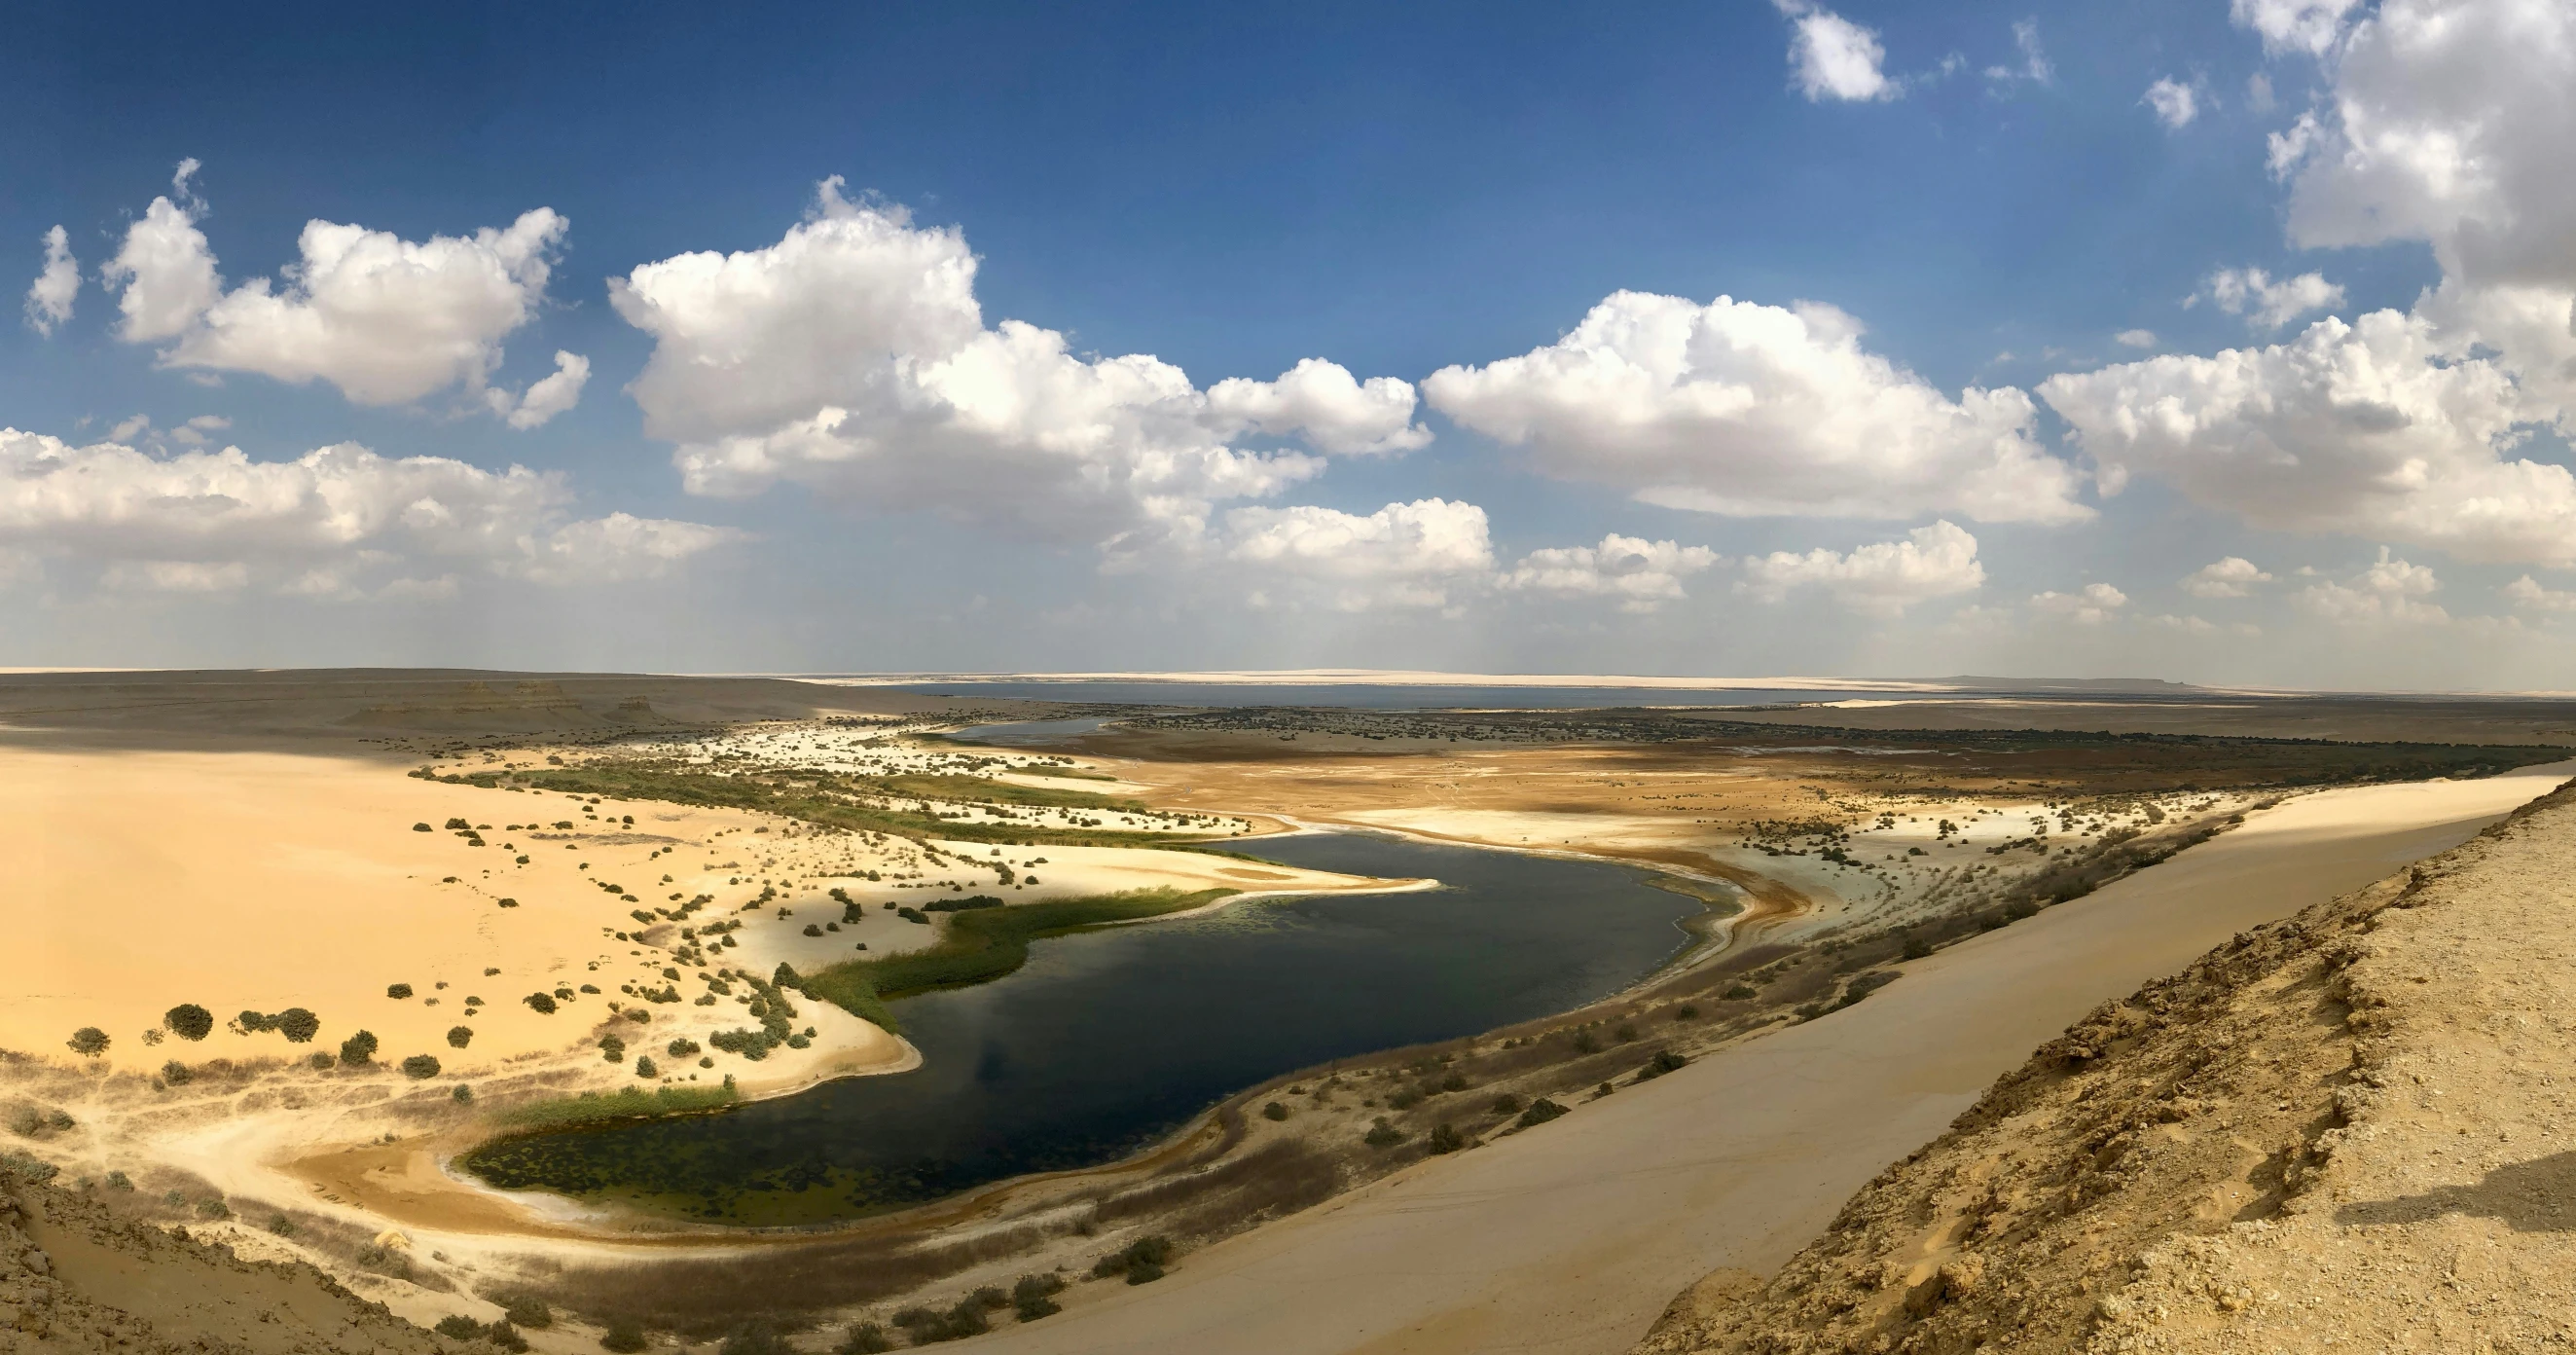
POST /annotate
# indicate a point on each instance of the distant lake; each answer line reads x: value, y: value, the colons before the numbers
x: 1109, y: 1040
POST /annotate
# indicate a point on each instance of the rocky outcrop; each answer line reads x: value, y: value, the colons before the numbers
x: 2348, y: 1130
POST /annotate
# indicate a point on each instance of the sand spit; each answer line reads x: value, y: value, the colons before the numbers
x: 1574, y: 1236
x: 2344, y: 1131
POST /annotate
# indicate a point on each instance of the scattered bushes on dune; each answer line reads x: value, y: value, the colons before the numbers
x: 89, y: 1042
x: 189, y: 1021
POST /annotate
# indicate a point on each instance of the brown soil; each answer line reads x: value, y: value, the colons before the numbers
x: 2342, y: 1131
x: 73, y: 1277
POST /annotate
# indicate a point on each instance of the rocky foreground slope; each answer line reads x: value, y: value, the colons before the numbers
x: 73, y: 1277
x: 2345, y: 1131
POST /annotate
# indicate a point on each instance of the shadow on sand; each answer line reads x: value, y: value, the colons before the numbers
x: 2538, y: 1196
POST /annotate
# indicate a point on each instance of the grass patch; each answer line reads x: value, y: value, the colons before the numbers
x: 985, y: 944
x: 631, y: 1103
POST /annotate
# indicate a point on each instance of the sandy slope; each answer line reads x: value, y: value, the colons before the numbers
x: 1572, y: 1237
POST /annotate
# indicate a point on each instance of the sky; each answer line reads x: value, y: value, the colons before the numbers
x: 2223, y: 341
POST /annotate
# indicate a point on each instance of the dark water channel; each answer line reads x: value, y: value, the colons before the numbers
x: 1109, y: 1040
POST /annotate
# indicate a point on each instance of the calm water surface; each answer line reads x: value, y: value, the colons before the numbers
x: 1111, y: 1039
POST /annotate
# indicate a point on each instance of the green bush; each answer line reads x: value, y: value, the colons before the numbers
x: 681, y: 1048
x: 420, y: 828
x: 1033, y: 1297
x: 1540, y: 1111
x: 544, y: 1003
x: 1739, y: 992
x: 1145, y: 1253
x: 1274, y: 1111
x: 1506, y: 1104
x: 320, y: 1062
x: 189, y: 1021
x: 1585, y: 1042
x: 625, y: 1335
x: 645, y: 1067
x: 88, y: 1042
x: 1686, y: 1012
x: 863, y: 1338
x: 176, y: 1073
x: 358, y: 1049
x: 462, y: 1093
x: 755, y: 1337
x: 505, y: 1336
x: 457, y: 1326
x: 398, y: 991
x: 1382, y: 1134
x: 297, y: 1025
x: 529, y: 1312
x: 612, y: 1049
x: 420, y: 1066
x: 460, y: 1036
x: 1446, y: 1140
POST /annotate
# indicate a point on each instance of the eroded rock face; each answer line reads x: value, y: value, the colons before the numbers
x: 2344, y: 1131
x: 74, y: 1278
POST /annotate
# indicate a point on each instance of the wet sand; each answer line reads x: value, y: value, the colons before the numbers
x: 1572, y: 1237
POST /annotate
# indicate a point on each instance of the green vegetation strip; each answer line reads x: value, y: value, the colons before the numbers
x: 985, y: 944
x: 854, y: 803
x: 572, y: 1112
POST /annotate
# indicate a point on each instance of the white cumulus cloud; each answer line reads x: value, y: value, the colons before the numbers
x: 1880, y: 579
x: 2309, y: 26
x: 324, y: 523
x: 2527, y: 592
x: 1642, y: 575
x: 2136, y: 338
x: 1830, y: 57
x: 386, y: 320
x: 546, y: 398
x: 2374, y: 428
x: 1418, y: 554
x: 2391, y: 590
x: 2232, y: 577
x: 2090, y: 605
x: 1746, y: 409
x: 2175, y: 103
x: 851, y: 357
x: 50, y: 296
x: 2268, y: 304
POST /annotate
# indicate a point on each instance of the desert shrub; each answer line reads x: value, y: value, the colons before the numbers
x: 1446, y: 1140
x: 529, y: 1312
x: 1034, y: 1297
x: 455, y: 824
x: 813, y: 929
x: 88, y: 1042
x: 863, y: 1338
x: 1540, y: 1111
x: 420, y: 828
x: 189, y: 1021
x: 506, y: 1336
x: 320, y: 1062
x: 460, y: 1036
x: 990, y: 1296
x: 544, y: 1003
x: 1686, y: 1012
x: 1623, y: 1032
x: 281, y: 1225
x: 612, y: 1049
x: 1664, y: 1061
x: 358, y: 1048
x: 462, y: 1092
x: 214, y: 1209
x: 755, y: 1337
x: 176, y: 1073
x: 1406, y: 1099
x: 1382, y: 1134
x: 117, y: 1180
x: 681, y: 1048
x: 624, y: 1335
x: 1738, y: 992
x: 420, y: 1066
x: 645, y: 1067
x: 1148, y: 1254
x: 1506, y: 1104
x: 1274, y: 1111
x: 398, y: 991
x: 27, y: 1168
x: 457, y: 1326
x: 297, y: 1025
x: 1585, y: 1042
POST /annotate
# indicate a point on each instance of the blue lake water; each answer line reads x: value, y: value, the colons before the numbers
x: 1109, y: 1040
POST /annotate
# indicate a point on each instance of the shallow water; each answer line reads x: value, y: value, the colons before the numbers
x: 1111, y: 1039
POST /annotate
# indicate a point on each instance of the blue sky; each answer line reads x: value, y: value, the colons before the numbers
x: 1983, y: 196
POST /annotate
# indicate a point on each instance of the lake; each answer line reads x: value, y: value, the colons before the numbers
x: 1109, y: 1040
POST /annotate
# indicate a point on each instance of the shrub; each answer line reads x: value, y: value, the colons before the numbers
x: 1145, y: 1253
x: 189, y: 1021
x: 358, y: 1048
x: 321, y: 1062
x: 1686, y: 1012
x: 505, y: 1336
x: 991, y: 1296
x: 1540, y: 1111
x: 755, y: 1337
x: 398, y: 991
x: 455, y: 824
x: 813, y: 929
x: 463, y: 1092
x: 626, y: 1335
x: 1274, y: 1111
x: 1917, y: 948
x: 1447, y: 1140
x: 457, y: 1326
x: 1507, y: 1104
x: 460, y: 1036
x: 612, y: 1049
x: 681, y: 1048
x: 645, y: 1067
x: 1738, y: 992
x: 1664, y: 1061
x: 529, y: 1312
x: 117, y: 1180
x: 214, y: 1209
x: 281, y: 1225
x: 1623, y: 1032
x: 297, y: 1025
x: 1034, y: 1297
x: 176, y: 1073
x: 88, y: 1042
x: 863, y: 1338
x: 543, y: 1002
x: 1382, y: 1135
x: 420, y: 1066
x: 420, y: 827
x: 1585, y: 1042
